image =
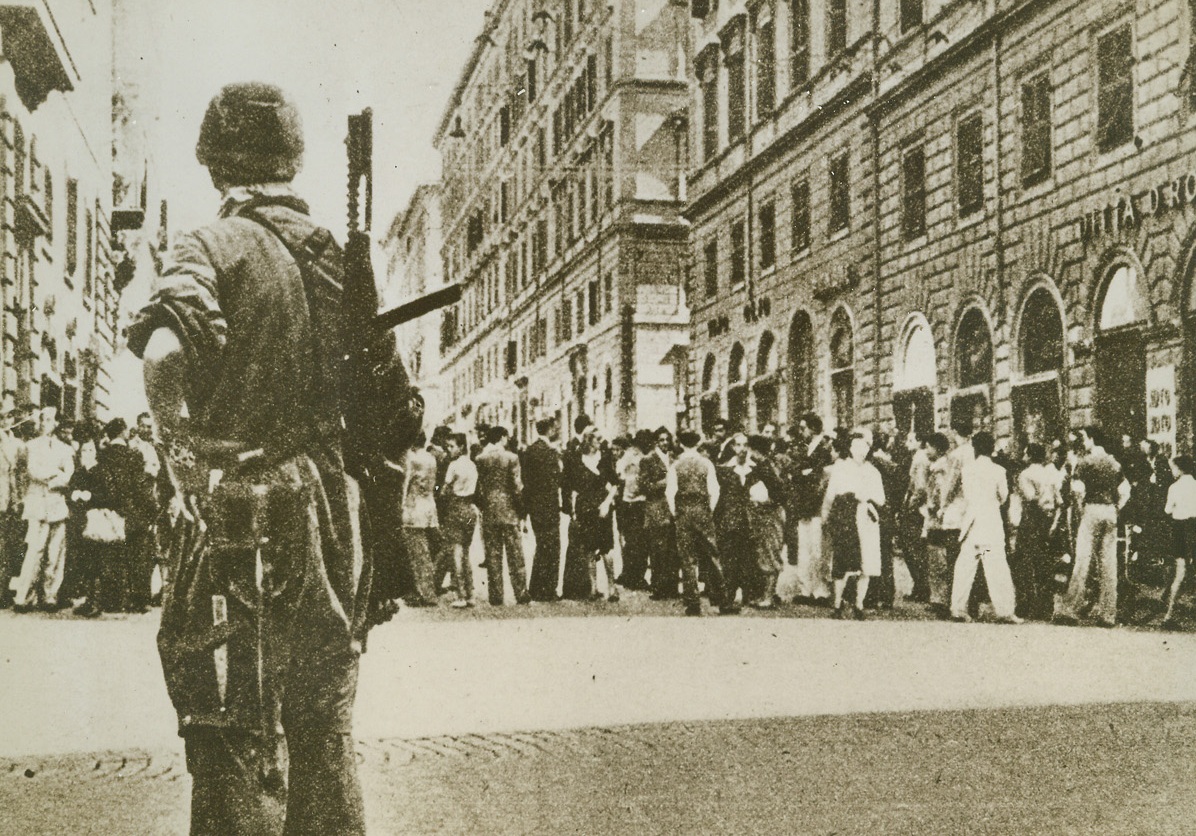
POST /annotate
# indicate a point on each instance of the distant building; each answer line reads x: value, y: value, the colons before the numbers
x: 564, y: 152
x: 57, y: 271
x: 414, y: 267
x: 908, y: 212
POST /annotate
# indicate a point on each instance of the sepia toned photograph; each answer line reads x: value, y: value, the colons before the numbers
x: 597, y: 417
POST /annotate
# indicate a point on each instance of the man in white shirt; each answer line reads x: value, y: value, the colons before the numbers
x: 984, y: 489
x: 51, y: 463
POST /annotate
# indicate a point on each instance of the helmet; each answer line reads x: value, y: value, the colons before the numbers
x: 251, y: 134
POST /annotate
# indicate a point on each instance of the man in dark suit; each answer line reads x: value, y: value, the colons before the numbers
x: 658, y: 522
x: 541, y: 464
x: 811, y: 456
x: 500, y: 491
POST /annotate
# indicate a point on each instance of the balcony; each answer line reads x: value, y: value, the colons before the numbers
x: 33, y: 45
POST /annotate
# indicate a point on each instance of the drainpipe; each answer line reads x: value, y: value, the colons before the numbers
x: 999, y: 222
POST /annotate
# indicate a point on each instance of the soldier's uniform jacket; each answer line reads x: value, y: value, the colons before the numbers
x: 261, y: 345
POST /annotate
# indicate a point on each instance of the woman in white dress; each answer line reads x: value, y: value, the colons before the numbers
x: 851, y: 521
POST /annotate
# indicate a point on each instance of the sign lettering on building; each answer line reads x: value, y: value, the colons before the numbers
x: 1127, y: 211
x: 1160, y: 407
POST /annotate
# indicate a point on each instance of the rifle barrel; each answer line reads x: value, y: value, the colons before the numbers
x: 418, y: 307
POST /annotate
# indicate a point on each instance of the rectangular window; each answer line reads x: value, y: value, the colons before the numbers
x: 913, y: 193
x: 566, y: 321
x: 595, y: 302
x: 840, y: 193
x: 580, y: 310
x: 738, y: 253
x: 799, y: 42
x: 911, y: 14
x: 1115, y: 93
x: 710, y: 268
x: 800, y: 222
x: 608, y: 293
x: 504, y: 125
x: 768, y: 235
x: 836, y: 26
x: 531, y: 80
x: 766, y: 59
x: 969, y: 151
x: 72, y: 226
x: 1036, y: 129
x: 736, y: 96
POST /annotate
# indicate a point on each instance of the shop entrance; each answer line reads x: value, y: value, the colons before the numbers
x: 1121, y: 385
x: 1120, y: 365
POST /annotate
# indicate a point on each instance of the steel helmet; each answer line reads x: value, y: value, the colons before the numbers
x: 251, y: 133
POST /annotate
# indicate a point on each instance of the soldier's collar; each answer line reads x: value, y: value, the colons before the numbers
x: 236, y: 197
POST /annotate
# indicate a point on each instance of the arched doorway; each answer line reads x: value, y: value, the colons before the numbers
x: 801, y: 367
x: 970, y: 405
x: 1038, y: 392
x: 764, y: 384
x: 737, y: 403
x: 711, y: 403
x: 915, y: 378
x: 842, y: 370
x: 1121, y: 356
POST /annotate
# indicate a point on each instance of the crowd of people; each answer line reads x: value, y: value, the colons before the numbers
x: 1067, y: 533
x: 79, y: 513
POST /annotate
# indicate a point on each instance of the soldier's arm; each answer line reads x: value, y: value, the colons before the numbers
x: 165, y: 373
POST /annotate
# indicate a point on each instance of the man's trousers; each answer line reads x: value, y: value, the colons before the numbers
x: 996, y: 575
x: 546, y: 566
x: 497, y: 539
x: 1096, y: 540
x: 45, y: 560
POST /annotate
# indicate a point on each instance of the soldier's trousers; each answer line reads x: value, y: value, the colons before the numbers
x: 546, y: 566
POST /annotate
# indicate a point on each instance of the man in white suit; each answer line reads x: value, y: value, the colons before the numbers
x: 51, y: 461
x: 985, y: 490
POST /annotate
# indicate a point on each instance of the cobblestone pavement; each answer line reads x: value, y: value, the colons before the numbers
x: 1113, y: 769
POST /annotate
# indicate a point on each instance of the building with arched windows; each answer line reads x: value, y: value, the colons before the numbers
x: 969, y: 211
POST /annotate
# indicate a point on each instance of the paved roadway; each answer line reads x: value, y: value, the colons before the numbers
x: 627, y: 718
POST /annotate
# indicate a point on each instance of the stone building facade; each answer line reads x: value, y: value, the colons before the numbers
x: 412, y: 253
x: 58, y: 283
x: 564, y: 153
x: 1019, y: 243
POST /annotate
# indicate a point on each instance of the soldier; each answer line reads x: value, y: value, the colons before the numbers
x: 241, y: 352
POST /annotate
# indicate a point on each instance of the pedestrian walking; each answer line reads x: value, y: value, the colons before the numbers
x: 243, y: 347
x: 812, y: 458
x: 51, y: 461
x: 985, y: 490
x: 1181, y: 509
x: 420, y: 522
x: 630, y: 513
x: 460, y: 516
x: 851, y: 521
x: 767, y: 521
x: 500, y: 493
x: 541, y: 470
x: 692, y: 493
x: 593, y: 485
x: 1099, y: 489
x: 1035, y: 514
x: 659, y: 541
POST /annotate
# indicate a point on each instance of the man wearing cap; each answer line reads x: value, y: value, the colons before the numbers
x: 241, y: 353
x: 51, y: 461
